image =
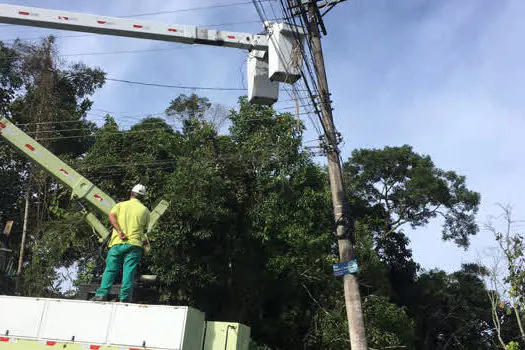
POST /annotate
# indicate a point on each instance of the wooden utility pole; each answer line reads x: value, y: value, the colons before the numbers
x: 339, y: 198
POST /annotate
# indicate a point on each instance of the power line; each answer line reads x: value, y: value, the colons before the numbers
x: 291, y: 19
x: 127, y: 51
x: 262, y: 14
x: 191, y: 9
x: 120, y: 132
x: 93, y: 35
x: 131, y: 82
x: 199, y: 8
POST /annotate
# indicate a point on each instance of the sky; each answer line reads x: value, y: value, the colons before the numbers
x: 446, y: 77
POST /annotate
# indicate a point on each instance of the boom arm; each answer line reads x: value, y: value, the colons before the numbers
x: 274, y: 57
x: 80, y: 22
x: 82, y: 188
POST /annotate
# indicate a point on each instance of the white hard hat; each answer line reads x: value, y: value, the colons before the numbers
x: 139, y: 189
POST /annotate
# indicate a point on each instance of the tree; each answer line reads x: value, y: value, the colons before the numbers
x: 402, y: 187
x: 452, y: 311
x: 11, y: 80
x: 50, y: 104
x: 199, y: 109
x: 387, y: 325
x: 509, y: 283
x: 240, y: 225
x: 393, y: 187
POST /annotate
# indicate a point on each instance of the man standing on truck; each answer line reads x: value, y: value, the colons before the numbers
x: 130, y: 221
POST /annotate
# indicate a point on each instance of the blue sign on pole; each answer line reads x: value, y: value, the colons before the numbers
x: 346, y: 268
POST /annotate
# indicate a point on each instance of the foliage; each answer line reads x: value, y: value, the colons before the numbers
x: 508, y: 295
x: 403, y: 187
x: 387, y: 324
x: 50, y: 103
x: 452, y: 310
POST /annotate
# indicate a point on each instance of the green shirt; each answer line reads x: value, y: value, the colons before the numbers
x: 133, y: 219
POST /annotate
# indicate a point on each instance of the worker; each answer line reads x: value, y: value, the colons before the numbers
x: 130, y: 221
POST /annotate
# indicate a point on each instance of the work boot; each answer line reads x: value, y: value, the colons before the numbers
x: 100, y: 298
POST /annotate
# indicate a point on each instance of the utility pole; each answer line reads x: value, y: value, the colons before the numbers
x: 339, y: 198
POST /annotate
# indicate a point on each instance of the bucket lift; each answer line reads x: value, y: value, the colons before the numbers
x: 273, y: 58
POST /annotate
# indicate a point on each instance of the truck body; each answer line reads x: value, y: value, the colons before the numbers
x: 41, y: 323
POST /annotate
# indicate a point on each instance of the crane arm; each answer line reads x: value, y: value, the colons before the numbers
x: 274, y: 57
x: 82, y: 188
x: 74, y: 21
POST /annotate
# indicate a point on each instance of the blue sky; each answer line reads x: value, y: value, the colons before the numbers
x: 446, y: 77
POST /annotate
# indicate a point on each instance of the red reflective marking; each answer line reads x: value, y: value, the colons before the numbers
x: 4, y: 339
x: 94, y: 347
x: 172, y: 30
x: 64, y: 171
x: 2, y: 125
x: 231, y: 37
x: 98, y: 197
x: 137, y: 26
x: 23, y: 13
x: 101, y: 22
x: 51, y: 343
x: 31, y: 148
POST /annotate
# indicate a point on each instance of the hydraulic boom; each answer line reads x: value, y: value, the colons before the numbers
x: 82, y: 189
x: 273, y: 57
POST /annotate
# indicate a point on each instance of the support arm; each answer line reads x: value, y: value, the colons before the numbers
x: 81, y: 187
x: 187, y: 34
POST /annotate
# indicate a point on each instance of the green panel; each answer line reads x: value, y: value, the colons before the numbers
x: 226, y: 336
x: 102, y: 231
x: 193, y: 330
x: 157, y: 212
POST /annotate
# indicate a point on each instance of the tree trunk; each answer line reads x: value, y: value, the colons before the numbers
x: 24, y: 231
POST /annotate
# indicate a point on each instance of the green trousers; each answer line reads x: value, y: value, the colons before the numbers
x: 125, y: 257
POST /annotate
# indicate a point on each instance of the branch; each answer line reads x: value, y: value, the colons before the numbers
x: 518, y: 318
x: 315, y: 300
x: 400, y: 222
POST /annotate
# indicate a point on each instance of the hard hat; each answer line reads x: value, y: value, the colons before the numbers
x: 139, y: 189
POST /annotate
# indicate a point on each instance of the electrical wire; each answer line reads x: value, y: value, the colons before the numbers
x: 192, y: 9
x: 126, y: 51
x: 291, y: 18
x: 131, y: 82
x: 121, y: 132
x: 262, y: 14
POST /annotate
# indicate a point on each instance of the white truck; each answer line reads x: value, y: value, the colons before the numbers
x: 37, y: 323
